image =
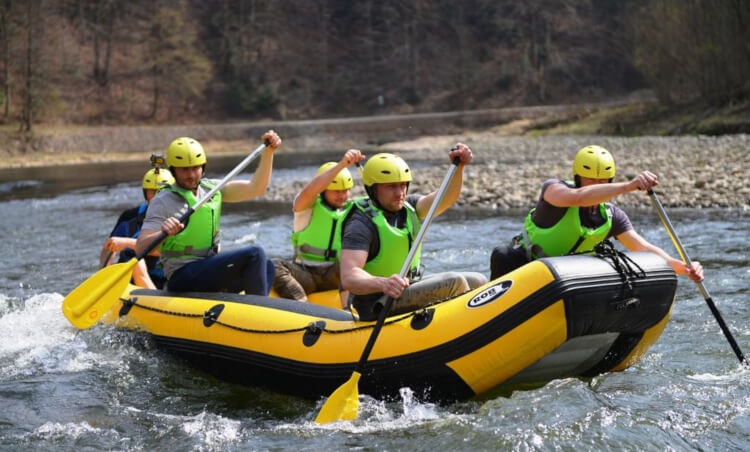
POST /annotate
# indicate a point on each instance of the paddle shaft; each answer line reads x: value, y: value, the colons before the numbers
x: 407, y: 263
x: 684, y: 256
x: 106, y: 260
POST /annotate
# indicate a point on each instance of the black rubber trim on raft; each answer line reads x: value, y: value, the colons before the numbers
x: 651, y: 296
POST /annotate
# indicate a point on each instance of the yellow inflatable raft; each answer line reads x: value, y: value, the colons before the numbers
x: 553, y: 318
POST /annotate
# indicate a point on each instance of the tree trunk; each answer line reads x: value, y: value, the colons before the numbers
x: 155, y: 95
x: 26, y: 113
x: 5, y: 36
x: 413, y: 50
x: 324, y: 15
x: 103, y: 30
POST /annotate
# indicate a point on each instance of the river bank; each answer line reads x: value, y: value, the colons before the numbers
x: 695, y: 172
x: 507, y: 171
x: 510, y: 165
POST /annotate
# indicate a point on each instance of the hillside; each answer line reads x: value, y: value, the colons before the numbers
x: 111, y: 64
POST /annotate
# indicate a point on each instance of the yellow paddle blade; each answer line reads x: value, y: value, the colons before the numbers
x: 88, y: 302
x: 343, y: 404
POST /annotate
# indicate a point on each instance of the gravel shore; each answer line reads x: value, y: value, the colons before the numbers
x: 507, y: 172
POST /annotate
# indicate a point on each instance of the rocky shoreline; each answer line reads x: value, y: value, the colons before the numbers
x: 507, y: 172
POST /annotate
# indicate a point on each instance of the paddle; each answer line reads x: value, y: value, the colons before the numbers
x: 88, y: 302
x: 711, y: 305
x: 106, y: 260
x: 343, y: 403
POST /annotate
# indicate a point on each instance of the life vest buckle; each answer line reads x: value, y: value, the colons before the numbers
x: 415, y: 274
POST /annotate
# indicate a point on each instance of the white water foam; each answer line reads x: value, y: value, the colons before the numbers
x: 56, y: 431
x: 215, y: 431
x: 377, y: 416
x: 38, y: 339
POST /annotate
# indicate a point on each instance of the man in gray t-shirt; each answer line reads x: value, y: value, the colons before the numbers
x: 369, y: 267
x: 190, y: 253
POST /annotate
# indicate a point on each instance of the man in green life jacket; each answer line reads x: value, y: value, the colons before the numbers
x: 574, y: 216
x: 190, y: 253
x: 319, y: 212
x: 379, y: 232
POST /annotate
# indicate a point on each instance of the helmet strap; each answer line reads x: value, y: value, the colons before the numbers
x: 324, y: 201
x: 370, y: 192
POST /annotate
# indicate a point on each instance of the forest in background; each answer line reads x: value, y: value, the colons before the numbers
x: 111, y: 62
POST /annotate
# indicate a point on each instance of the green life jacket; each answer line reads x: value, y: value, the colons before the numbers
x: 395, y: 243
x: 566, y: 236
x: 201, y: 236
x: 320, y: 241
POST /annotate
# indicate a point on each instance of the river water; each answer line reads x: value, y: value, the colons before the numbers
x: 104, y: 389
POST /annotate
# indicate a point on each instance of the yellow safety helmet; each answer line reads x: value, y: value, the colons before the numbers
x: 185, y: 152
x: 385, y: 168
x: 594, y: 162
x: 342, y: 181
x: 156, y: 178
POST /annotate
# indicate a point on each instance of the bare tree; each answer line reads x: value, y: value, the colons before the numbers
x: 104, y: 19
x: 5, y: 42
x: 33, y: 8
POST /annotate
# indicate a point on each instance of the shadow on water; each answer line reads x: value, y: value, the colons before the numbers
x: 50, y: 181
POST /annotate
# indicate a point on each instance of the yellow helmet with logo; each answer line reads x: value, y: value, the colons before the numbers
x: 594, y: 162
x: 385, y: 168
x: 156, y: 178
x: 185, y: 152
x: 342, y: 181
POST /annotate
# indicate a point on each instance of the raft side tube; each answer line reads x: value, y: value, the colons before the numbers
x: 283, y: 304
